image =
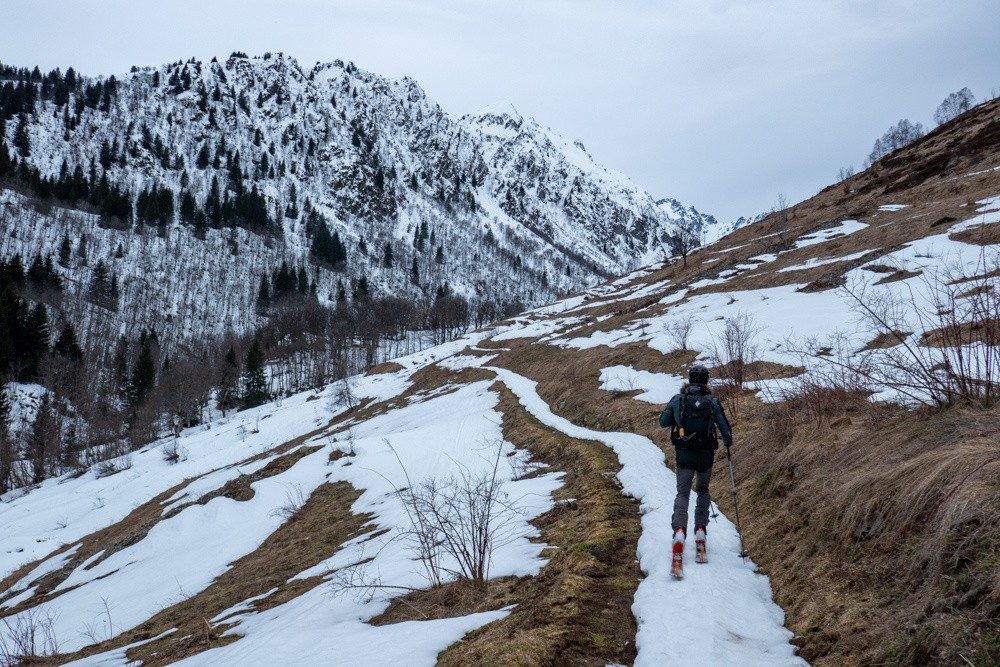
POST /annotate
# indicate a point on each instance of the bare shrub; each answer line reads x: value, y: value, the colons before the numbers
x: 679, y: 331
x: 956, y: 358
x: 734, y: 352
x: 343, y: 393
x: 782, y: 221
x: 28, y: 636
x: 295, y: 500
x: 113, y: 466
x: 101, y: 628
x: 684, y: 236
x: 173, y: 452
x: 456, y: 523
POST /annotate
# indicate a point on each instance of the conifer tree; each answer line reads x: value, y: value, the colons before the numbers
x: 361, y: 290
x: 22, y: 140
x: 204, y: 157
x: 415, y: 273
x: 302, y: 281
x: 65, y: 251
x: 6, y: 444
x: 67, y: 345
x: 263, y: 294
x: 254, y: 377
x: 143, y: 376
x: 388, y: 258
x: 44, y: 438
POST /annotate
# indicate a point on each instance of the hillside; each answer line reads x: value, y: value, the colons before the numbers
x: 193, y: 180
x: 854, y: 342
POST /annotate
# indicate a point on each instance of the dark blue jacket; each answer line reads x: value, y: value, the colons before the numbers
x: 697, y: 458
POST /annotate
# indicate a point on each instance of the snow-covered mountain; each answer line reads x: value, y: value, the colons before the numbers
x: 493, y: 204
x: 704, y: 226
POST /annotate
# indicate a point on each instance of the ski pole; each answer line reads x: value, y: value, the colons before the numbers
x: 732, y: 480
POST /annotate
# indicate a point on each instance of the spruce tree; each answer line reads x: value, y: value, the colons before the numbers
x: 65, y: 251
x: 388, y: 259
x: 263, y: 294
x: 67, y: 345
x: 43, y: 439
x: 143, y: 376
x: 254, y: 377
x: 204, y: 158
x: 22, y: 140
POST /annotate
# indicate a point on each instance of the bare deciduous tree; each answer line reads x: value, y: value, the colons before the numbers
x: 901, y: 134
x: 954, y: 105
x: 684, y: 237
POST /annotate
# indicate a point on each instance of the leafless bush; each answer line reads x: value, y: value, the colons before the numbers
x: 28, y: 636
x: 679, y: 331
x: 295, y: 500
x: 173, y: 452
x: 112, y: 466
x: 102, y: 628
x: 343, y: 393
x: 734, y: 352
x: 782, y: 221
x: 458, y: 521
x: 957, y: 355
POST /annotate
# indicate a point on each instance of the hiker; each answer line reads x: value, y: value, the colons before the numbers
x: 693, y: 416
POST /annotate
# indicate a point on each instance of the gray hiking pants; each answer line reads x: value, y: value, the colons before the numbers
x: 684, y: 478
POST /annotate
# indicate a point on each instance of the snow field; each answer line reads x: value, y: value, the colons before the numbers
x: 722, y: 612
x: 445, y: 432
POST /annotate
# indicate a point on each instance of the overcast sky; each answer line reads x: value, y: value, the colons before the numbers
x: 720, y: 104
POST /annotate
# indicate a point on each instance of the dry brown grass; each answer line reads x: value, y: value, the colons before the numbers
x: 877, y: 527
x: 385, y: 367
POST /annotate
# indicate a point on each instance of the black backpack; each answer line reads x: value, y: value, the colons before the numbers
x: 697, y: 427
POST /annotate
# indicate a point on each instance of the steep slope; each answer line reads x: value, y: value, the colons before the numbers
x: 493, y: 204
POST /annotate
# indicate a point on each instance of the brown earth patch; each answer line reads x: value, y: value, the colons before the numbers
x: 984, y: 235
x: 896, y: 276
x: 456, y: 598
x: 885, y: 340
x: 241, y: 489
x: 880, y: 268
x: 385, y: 367
x: 986, y: 331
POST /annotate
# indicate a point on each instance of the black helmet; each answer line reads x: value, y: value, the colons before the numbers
x: 698, y: 374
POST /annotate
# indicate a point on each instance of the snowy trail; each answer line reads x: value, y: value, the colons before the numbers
x: 720, y: 613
